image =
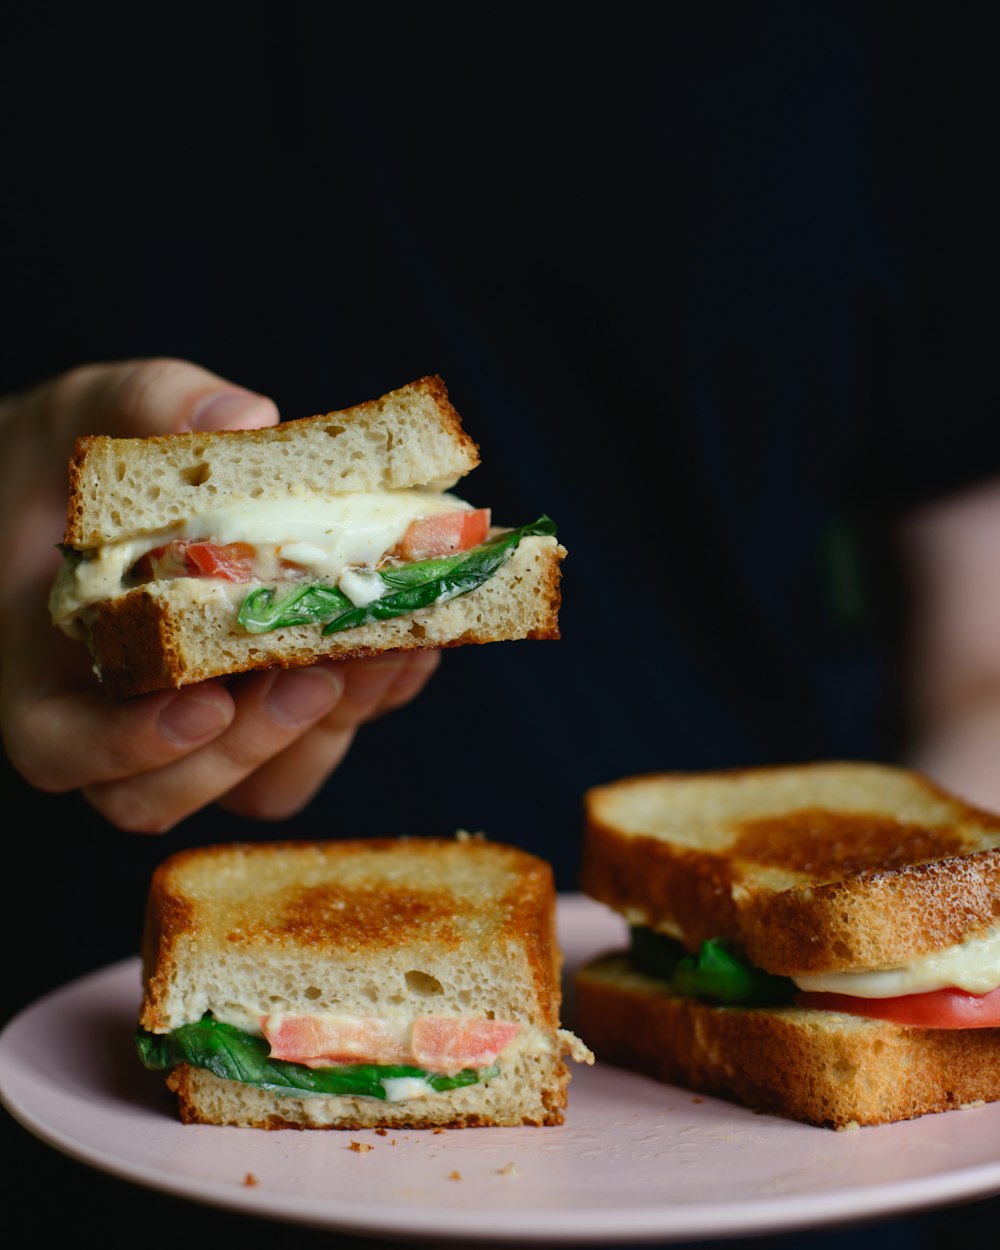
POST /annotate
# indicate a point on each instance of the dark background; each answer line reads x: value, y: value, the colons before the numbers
x: 712, y: 287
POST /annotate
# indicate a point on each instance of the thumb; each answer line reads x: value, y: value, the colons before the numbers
x: 131, y: 398
x: 160, y: 395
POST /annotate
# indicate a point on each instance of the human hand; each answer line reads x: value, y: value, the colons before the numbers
x: 951, y: 554
x: 261, y: 744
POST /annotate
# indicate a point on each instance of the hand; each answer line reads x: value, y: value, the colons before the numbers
x: 951, y: 552
x: 261, y: 744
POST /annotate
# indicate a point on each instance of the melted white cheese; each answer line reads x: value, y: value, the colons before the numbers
x: 322, y: 537
x: 972, y: 965
x: 402, y: 1088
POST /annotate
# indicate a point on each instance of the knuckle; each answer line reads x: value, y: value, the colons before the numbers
x: 125, y: 807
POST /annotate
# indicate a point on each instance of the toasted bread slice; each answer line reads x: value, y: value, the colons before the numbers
x: 182, y: 631
x: 822, y: 867
x: 410, y: 437
x: 380, y: 932
x: 820, y: 1067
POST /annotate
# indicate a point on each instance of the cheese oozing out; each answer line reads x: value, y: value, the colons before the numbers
x: 972, y: 965
x: 338, y: 539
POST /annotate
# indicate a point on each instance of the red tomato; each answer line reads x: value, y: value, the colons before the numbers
x: 319, y: 1041
x: 161, y: 563
x: 448, y: 1045
x: 937, y: 1009
x: 183, y: 558
x: 438, y: 1044
x: 445, y: 533
x: 233, y: 562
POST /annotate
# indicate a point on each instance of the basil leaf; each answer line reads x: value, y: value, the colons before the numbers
x: 413, y: 586
x: 717, y: 973
x: 308, y: 605
x: 436, y: 581
x: 233, y: 1055
x: 654, y: 953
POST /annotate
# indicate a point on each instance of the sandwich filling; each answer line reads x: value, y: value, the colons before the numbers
x: 337, y: 562
x: 958, y: 987
x: 332, y: 1055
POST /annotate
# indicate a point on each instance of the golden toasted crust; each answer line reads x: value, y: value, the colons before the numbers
x: 810, y: 868
x: 823, y: 1068
x: 183, y: 632
x: 341, y: 900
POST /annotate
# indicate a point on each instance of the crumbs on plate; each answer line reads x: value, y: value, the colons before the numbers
x: 360, y: 1147
x: 250, y: 1180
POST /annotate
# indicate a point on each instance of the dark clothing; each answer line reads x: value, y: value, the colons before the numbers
x: 707, y: 286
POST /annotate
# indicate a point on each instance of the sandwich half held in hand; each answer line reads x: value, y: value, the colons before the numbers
x: 358, y: 984
x: 819, y: 941
x: 189, y: 556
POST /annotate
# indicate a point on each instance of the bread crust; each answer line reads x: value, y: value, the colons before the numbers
x: 917, y: 873
x: 363, y: 927
x: 822, y: 1068
x: 206, y: 1099
x: 171, y: 634
x: 338, y: 899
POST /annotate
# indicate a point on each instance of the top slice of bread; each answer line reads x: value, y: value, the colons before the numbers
x: 122, y: 487
x: 414, y: 926
x: 821, y: 867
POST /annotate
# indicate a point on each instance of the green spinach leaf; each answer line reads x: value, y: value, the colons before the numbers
x: 230, y: 1053
x: 716, y: 973
x: 410, y: 587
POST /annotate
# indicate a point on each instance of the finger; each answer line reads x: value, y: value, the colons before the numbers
x: 410, y: 678
x: 273, y: 710
x: 157, y: 396
x: 61, y: 732
x: 369, y: 685
x: 288, y: 781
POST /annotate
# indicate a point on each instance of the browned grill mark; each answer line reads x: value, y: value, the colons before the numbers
x: 837, y: 844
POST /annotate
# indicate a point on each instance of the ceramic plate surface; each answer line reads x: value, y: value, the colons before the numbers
x: 635, y: 1161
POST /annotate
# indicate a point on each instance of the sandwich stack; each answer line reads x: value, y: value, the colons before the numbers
x: 356, y: 984
x: 816, y: 941
x: 190, y: 556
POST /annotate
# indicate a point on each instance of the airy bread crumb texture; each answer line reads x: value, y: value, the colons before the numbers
x: 530, y: 1091
x: 410, y: 437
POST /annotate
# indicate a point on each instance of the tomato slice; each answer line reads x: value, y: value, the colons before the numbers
x: 449, y: 1045
x: 445, y: 533
x: 160, y: 563
x: 937, y: 1009
x: 438, y: 1044
x: 232, y: 561
x: 184, y: 558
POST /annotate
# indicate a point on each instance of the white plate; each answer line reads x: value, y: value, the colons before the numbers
x: 635, y: 1161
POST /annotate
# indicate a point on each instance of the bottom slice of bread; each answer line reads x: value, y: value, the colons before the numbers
x: 529, y: 1092
x: 172, y: 633
x: 825, y: 1068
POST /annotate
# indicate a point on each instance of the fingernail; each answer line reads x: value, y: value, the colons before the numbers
x: 189, y: 719
x: 301, y: 695
x: 232, y: 410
